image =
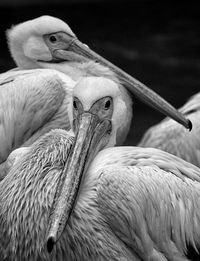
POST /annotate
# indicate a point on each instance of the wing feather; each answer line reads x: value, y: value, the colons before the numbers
x: 151, y: 210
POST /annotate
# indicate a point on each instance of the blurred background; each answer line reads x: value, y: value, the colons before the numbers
x: 157, y: 42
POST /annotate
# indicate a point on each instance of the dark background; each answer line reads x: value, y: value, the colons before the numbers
x: 156, y: 42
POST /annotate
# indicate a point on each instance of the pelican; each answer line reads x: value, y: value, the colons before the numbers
x: 73, y: 196
x: 43, y: 49
x: 170, y: 137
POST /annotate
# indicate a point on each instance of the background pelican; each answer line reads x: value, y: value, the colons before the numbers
x: 117, y: 214
x: 48, y: 42
x: 171, y: 137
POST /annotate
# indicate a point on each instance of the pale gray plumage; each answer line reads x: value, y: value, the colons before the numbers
x: 134, y: 203
x: 35, y: 102
x: 171, y: 137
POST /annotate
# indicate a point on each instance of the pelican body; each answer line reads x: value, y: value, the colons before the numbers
x: 171, y: 137
x: 73, y: 196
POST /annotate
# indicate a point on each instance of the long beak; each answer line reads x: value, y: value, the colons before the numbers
x: 91, y: 137
x: 134, y: 86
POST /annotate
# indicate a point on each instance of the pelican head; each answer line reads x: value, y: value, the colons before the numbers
x: 28, y: 41
x: 46, y: 40
x: 106, y: 96
x: 98, y: 118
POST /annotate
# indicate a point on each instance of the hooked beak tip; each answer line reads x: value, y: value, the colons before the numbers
x: 189, y: 125
x: 50, y: 244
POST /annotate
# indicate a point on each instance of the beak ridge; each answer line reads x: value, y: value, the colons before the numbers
x: 88, y: 141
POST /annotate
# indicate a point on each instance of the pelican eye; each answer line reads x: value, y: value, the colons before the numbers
x: 53, y: 39
x: 75, y: 105
x: 107, y: 105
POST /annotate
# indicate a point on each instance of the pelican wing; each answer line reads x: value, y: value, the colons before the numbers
x: 30, y: 185
x: 151, y: 204
x: 171, y: 137
x: 32, y: 103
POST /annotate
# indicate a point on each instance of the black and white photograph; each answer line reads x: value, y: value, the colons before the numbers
x: 99, y: 130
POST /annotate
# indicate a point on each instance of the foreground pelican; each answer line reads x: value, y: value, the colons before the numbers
x: 123, y: 203
x: 171, y: 137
